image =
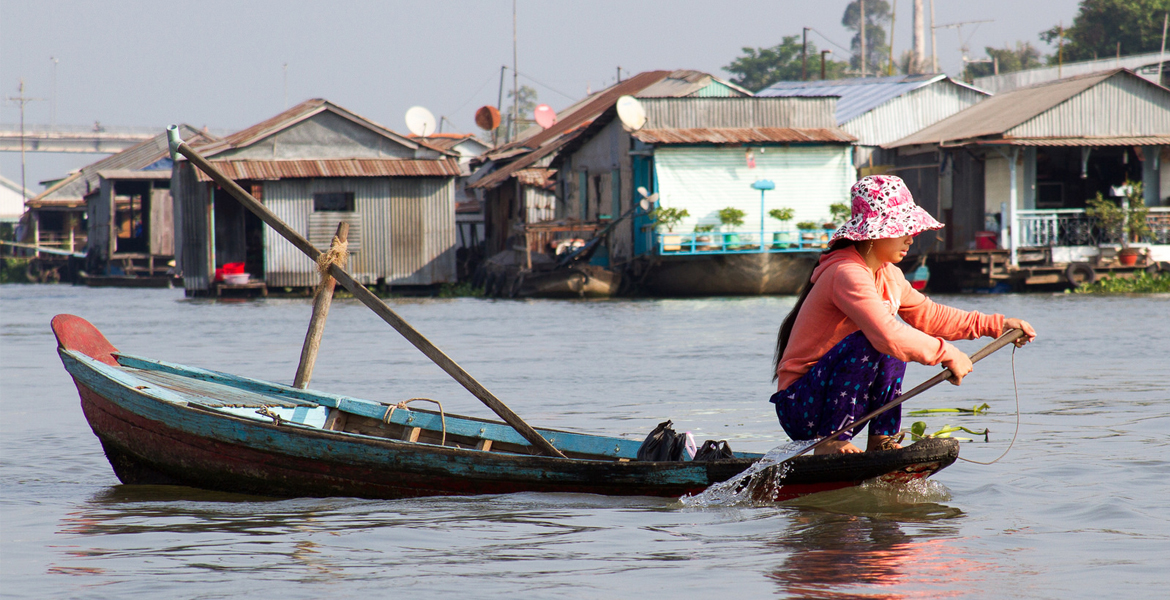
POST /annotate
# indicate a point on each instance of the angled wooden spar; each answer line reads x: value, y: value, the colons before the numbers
x: 999, y: 342
x: 366, y: 297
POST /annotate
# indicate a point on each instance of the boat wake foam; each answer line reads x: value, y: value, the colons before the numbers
x: 754, y: 485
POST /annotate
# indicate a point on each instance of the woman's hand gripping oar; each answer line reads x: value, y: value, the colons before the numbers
x: 363, y: 294
x: 1009, y: 337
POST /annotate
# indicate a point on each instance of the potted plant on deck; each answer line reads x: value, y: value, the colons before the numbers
x: 808, y: 233
x: 780, y: 239
x: 667, y: 218
x: 703, y: 236
x: 731, y: 217
x: 1127, y: 221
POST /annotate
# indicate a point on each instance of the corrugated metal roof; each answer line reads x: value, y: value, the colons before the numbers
x: 858, y: 95
x: 1155, y: 140
x: 542, y: 178
x: 271, y: 170
x: 685, y: 82
x: 1006, y: 82
x: 998, y: 114
x: 741, y: 135
x: 296, y: 114
x: 505, y: 172
x: 596, y: 105
x: 685, y: 113
x: 138, y: 156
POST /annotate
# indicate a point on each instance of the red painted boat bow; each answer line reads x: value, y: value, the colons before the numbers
x: 75, y: 333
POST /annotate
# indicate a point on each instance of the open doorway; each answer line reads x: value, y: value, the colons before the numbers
x: 239, y: 234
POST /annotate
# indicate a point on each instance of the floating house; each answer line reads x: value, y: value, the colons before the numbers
x: 1011, y: 177
x: 469, y: 218
x: 315, y: 165
x: 517, y: 179
x: 711, y: 157
x: 118, y: 209
x: 881, y: 110
x: 12, y: 198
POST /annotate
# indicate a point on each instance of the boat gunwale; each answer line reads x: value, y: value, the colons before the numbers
x: 115, y: 375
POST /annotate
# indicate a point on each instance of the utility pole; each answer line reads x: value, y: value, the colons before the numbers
x: 804, y: 55
x: 824, y: 53
x: 1162, y: 52
x: 1060, y: 53
x: 893, y: 19
x: 933, y: 43
x: 53, y: 104
x: 515, y: 80
x: 619, y: 74
x: 22, y: 100
x: 861, y: 4
x: 919, y: 59
x: 286, y: 86
x: 499, y: 106
x: 964, y: 48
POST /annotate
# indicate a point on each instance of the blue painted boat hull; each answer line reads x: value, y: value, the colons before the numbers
x: 161, y: 423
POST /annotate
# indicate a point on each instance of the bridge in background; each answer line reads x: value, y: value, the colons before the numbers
x: 92, y: 139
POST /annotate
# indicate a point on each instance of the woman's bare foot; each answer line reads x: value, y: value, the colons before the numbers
x: 883, y: 442
x: 837, y: 447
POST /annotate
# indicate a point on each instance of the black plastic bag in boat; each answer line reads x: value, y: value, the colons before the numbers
x: 663, y: 444
x: 714, y: 450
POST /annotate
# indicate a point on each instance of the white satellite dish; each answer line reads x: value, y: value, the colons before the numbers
x: 420, y: 121
x: 631, y: 113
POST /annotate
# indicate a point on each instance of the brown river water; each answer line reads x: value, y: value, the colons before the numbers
x: 1079, y: 507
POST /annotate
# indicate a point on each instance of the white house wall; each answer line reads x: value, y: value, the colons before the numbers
x: 911, y: 112
x: 997, y: 181
x: 704, y: 180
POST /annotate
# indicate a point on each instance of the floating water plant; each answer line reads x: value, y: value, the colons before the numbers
x: 917, y: 432
x: 974, y: 410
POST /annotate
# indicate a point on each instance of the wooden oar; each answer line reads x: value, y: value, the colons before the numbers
x: 1007, y: 338
x: 366, y: 297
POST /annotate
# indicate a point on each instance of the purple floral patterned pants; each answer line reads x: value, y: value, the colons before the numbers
x: 849, y: 381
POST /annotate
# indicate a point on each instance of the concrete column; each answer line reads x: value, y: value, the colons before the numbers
x: 1151, y: 175
x: 1029, y: 178
x: 1013, y: 207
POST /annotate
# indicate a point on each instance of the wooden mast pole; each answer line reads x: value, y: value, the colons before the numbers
x: 321, y: 303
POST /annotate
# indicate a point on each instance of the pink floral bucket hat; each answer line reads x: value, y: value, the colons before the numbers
x: 883, y: 208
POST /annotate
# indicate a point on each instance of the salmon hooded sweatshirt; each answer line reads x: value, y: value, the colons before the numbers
x: 846, y: 296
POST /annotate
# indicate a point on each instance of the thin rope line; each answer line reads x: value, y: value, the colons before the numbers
x: 1016, y: 389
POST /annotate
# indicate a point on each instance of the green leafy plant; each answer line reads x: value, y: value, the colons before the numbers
x: 1129, y: 225
x: 807, y: 225
x: 704, y: 228
x: 840, y: 212
x: 731, y: 217
x: 917, y: 432
x: 1141, y: 283
x: 974, y: 410
x: 782, y: 214
x: 668, y: 217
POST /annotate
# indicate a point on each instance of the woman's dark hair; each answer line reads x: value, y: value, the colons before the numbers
x: 790, y: 320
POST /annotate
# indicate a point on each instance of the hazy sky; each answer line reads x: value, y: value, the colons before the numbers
x: 220, y: 64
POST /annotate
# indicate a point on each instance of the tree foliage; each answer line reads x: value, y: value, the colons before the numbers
x: 1023, y: 56
x: 1101, y: 24
x: 526, y: 107
x: 877, y: 15
x: 759, y: 68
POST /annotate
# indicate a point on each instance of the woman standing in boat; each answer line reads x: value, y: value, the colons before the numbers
x: 842, y: 351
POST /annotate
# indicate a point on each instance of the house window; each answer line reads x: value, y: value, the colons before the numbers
x: 333, y: 202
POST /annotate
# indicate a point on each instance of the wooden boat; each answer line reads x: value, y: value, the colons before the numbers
x: 163, y: 423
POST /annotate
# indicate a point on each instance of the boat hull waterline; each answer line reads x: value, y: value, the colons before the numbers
x: 163, y: 423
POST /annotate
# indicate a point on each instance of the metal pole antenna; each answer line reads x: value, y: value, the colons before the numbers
x: 515, y: 80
